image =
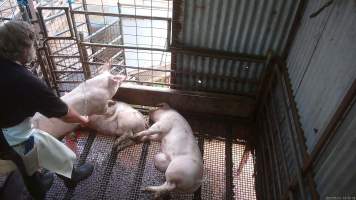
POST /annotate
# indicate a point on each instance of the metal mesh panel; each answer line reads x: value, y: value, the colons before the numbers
x: 243, y: 173
x: 98, y: 156
x: 151, y: 176
x: 123, y: 174
x: 8, y: 10
x: 213, y: 186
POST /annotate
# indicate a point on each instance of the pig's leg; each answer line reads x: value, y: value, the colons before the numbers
x: 161, y: 190
x: 154, y: 129
x: 161, y: 161
x: 154, y: 137
x: 125, y: 145
x: 124, y: 141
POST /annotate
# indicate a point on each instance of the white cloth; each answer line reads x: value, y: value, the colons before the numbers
x: 19, y: 133
x: 48, y: 153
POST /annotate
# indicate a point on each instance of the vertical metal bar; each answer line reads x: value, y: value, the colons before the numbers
x: 197, y: 194
x: 229, y: 164
x: 52, y: 68
x: 86, y: 68
x: 43, y: 68
x: 299, y: 131
x: 265, y: 171
x: 292, y: 139
x: 42, y: 23
x: 71, y: 26
x: 139, y: 173
x: 169, y: 22
x: 279, y: 140
x: 77, y: 38
x: 121, y: 32
x: 87, y: 20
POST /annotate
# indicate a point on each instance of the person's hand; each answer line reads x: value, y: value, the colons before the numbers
x: 84, y: 121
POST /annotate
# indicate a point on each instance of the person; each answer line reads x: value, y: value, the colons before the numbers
x: 22, y: 95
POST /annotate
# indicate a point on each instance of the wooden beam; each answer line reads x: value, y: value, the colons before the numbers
x: 188, y: 101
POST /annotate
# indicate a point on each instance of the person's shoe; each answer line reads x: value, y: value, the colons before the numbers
x: 82, y: 172
x: 78, y: 174
x: 39, y: 183
x: 45, y: 180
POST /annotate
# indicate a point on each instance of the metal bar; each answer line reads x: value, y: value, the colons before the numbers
x: 265, y: 76
x: 294, y: 29
x: 87, y: 20
x: 52, y: 8
x: 218, y: 54
x: 54, y: 16
x: 72, y: 26
x: 197, y: 194
x: 64, y: 48
x: 69, y: 82
x: 228, y: 164
x: 265, y: 172
x: 58, y: 38
x: 300, y: 134
x: 270, y: 159
x: 292, y: 139
x: 78, y: 38
x: 68, y: 71
x: 279, y: 134
x: 63, y: 56
x: 119, y: 15
x: 69, y: 29
x: 132, y: 67
x: 42, y: 22
x: 52, y: 67
x: 85, y: 58
x: 139, y: 173
x: 98, y: 31
x: 103, y: 48
x: 122, y: 46
x: 169, y: 34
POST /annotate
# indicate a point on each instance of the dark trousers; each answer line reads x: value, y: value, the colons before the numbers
x: 8, y: 153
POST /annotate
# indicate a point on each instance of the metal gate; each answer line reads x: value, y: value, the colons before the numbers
x: 75, y: 48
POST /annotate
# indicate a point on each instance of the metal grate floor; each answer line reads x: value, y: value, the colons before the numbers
x: 122, y: 175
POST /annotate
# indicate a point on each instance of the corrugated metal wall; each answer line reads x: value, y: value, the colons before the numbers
x: 280, y: 153
x: 322, y: 69
x: 240, y: 26
x: 322, y: 63
x: 335, y: 171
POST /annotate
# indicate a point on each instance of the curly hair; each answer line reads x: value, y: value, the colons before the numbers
x: 15, y: 38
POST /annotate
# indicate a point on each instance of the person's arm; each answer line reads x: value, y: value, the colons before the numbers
x: 73, y: 116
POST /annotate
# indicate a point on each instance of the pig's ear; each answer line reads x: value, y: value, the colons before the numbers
x: 116, y: 79
x: 106, y: 67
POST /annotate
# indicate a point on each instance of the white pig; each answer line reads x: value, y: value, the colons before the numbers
x: 120, y: 120
x: 180, y: 157
x: 90, y: 97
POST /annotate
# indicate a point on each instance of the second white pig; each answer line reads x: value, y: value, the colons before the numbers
x: 180, y: 157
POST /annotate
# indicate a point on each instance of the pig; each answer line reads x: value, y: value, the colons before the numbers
x: 120, y: 120
x: 180, y: 157
x: 89, y: 98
